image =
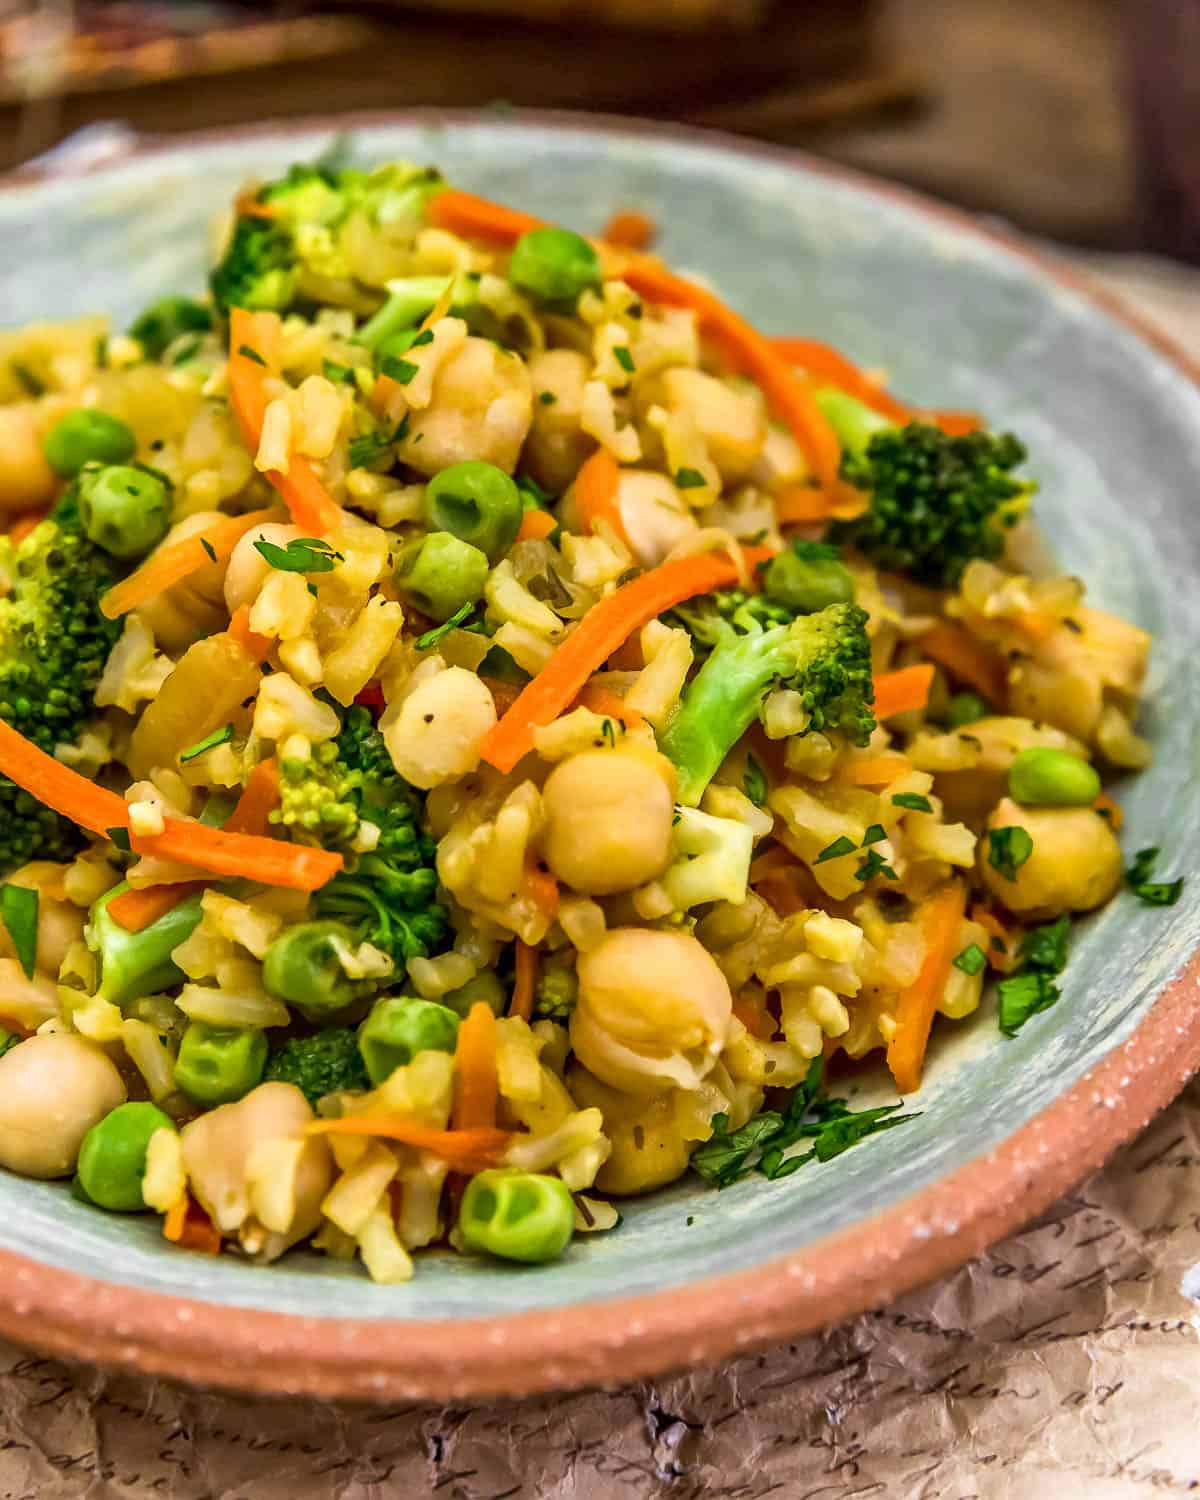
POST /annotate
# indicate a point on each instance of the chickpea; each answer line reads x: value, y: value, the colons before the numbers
x: 1075, y: 864
x: 436, y: 735
x: 731, y: 419
x: 53, y: 1089
x: 59, y: 922
x: 557, y: 445
x: 608, y: 819
x: 196, y: 606
x: 653, y: 513
x: 648, y: 1148
x: 216, y: 1148
x: 652, y: 1011
x: 482, y: 409
x: 26, y: 479
x: 248, y: 569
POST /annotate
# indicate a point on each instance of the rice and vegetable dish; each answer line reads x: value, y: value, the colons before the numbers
x: 485, y: 732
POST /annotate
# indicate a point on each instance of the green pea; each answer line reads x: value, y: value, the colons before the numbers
x: 124, y: 510
x: 439, y: 574
x: 478, y: 503
x: 304, y: 967
x: 85, y: 436
x: 166, y: 320
x: 517, y: 1215
x: 1042, y: 777
x: 485, y: 987
x: 808, y: 577
x: 218, y: 1064
x: 965, y: 708
x: 112, y: 1158
x: 133, y: 964
x: 398, y: 1028
x: 554, y: 265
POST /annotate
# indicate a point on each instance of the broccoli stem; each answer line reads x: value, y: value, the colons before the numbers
x: 408, y: 301
x: 854, y: 423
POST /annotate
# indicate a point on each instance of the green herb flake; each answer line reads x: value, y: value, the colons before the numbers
x: 913, y: 801
x: 1024, y: 995
x: 754, y: 783
x: 209, y: 548
x: 399, y: 370
x: 689, y: 479
x: 874, y: 835
x: 1046, y: 947
x: 186, y: 351
x: 119, y: 838
x: 1152, y: 892
x: 873, y: 865
x: 972, y: 960
x: 432, y: 637
x: 623, y: 357
x: 837, y: 849
x: 1008, y: 849
x: 366, y: 449
x: 402, y: 426
x: 252, y: 354
x: 422, y: 338
x: 209, y: 742
x: 27, y: 379
x: 546, y: 398
x: 306, y: 554
x: 339, y: 374
x: 19, y: 913
x: 609, y: 730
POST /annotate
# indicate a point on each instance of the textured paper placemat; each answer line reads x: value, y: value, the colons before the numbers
x: 1062, y: 1365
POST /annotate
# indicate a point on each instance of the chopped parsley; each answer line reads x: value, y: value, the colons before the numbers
x: 1008, y: 849
x: 913, y: 801
x: 689, y: 479
x: 754, y: 783
x: 19, y: 913
x: 306, y: 554
x: 119, y: 838
x: 339, y: 374
x: 399, y: 370
x: 829, y: 1125
x: 1046, y: 947
x: 252, y: 354
x: 27, y: 379
x: 424, y: 337
x: 186, y: 351
x: 366, y: 449
x: 623, y: 357
x: 209, y: 548
x: 609, y: 730
x: 837, y: 849
x: 209, y: 742
x: 971, y: 960
x: 1152, y: 892
x: 874, y: 835
x: 873, y: 865
x: 1033, y: 989
x: 432, y: 637
x: 547, y: 398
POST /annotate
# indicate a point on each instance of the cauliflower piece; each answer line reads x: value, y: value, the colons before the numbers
x: 711, y: 859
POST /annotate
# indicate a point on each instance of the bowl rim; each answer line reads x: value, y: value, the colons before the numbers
x: 613, y: 1342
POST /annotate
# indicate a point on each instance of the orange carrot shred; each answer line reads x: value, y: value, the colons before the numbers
x: 468, y: 1150
x: 525, y: 968
x: 257, y: 647
x: 478, y: 1088
x: 137, y: 910
x: 596, y: 493
x: 259, y: 799
x: 941, y: 919
x: 543, y: 890
x: 605, y: 627
x: 630, y: 229
x: 310, y: 504
x: 903, y: 691
x: 1113, y: 811
x: 602, y: 700
x: 23, y: 525
x: 967, y: 659
x: 536, y: 525
x: 465, y: 214
x: 178, y: 560
x: 873, y: 770
x: 188, y: 1226
x: 1004, y: 958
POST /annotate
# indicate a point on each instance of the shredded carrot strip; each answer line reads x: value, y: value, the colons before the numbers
x: 803, y: 505
x: 605, y: 627
x: 1003, y: 958
x: 216, y: 850
x: 743, y: 346
x: 525, y: 968
x: 468, y: 1150
x: 955, y: 423
x: 873, y: 770
x: 535, y: 526
x: 257, y: 647
x: 175, y: 1217
x: 23, y: 525
x: 901, y: 692
x: 259, y: 799
x: 631, y: 229
x: 596, y: 493
x: 941, y: 919
x: 310, y: 504
x: 178, y: 560
x: 247, y: 206
x: 543, y: 890
x: 475, y: 1063
x: 602, y: 700
x: 136, y: 910
x: 966, y: 658
x: 1113, y: 810
x: 188, y: 1226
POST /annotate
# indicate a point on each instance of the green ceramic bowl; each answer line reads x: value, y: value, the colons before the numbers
x: 960, y: 318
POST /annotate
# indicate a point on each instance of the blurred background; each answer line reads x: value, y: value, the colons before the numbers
x: 1076, y: 120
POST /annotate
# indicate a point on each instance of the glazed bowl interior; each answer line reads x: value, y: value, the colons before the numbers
x: 958, y: 320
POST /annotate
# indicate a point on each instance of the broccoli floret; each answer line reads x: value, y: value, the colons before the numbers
x: 555, y: 992
x: 389, y: 895
x: 320, y: 1064
x: 297, y: 234
x: 54, y: 643
x: 825, y: 657
x: 936, y: 501
x: 707, y: 617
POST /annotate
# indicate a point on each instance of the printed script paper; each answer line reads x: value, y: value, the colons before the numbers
x: 1063, y: 1365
